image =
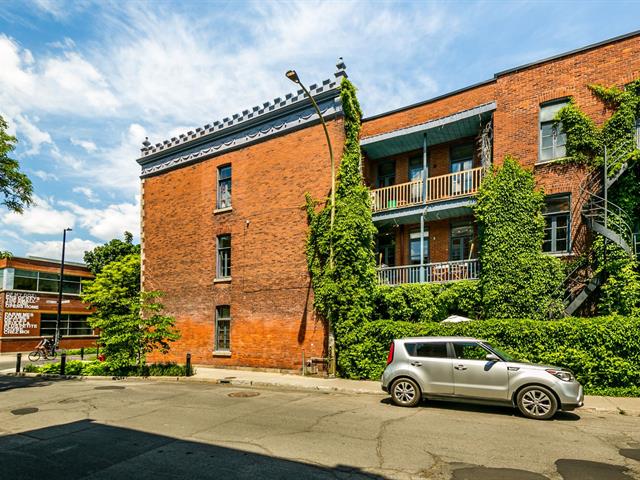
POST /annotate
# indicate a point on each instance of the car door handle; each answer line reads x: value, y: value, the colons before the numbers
x: 460, y: 367
x: 416, y: 364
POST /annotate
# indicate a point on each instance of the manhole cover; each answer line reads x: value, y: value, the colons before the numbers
x: 243, y: 394
x: 109, y: 387
x: 24, y: 411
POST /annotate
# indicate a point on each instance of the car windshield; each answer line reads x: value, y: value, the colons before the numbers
x: 502, y: 354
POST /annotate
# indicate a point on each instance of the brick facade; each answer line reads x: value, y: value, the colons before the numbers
x: 273, y: 321
x: 21, y: 311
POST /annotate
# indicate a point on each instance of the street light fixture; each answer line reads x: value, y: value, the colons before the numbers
x: 64, y: 241
x: 293, y: 76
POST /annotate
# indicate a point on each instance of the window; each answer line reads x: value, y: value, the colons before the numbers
x: 45, y: 282
x: 428, y: 350
x: 1, y: 279
x: 223, y: 328
x: 461, y: 157
x: 386, y: 248
x: 224, y: 187
x: 461, y: 246
x: 470, y: 351
x: 414, y: 247
x: 224, y: 257
x: 386, y: 173
x: 416, y: 171
x: 557, y: 224
x: 638, y: 132
x: 70, y: 325
x: 552, y: 139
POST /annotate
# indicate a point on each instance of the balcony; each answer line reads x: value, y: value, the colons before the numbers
x: 441, y: 188
x: 429, y: 273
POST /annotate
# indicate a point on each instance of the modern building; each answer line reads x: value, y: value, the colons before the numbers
x: 29, y: 303
x: 223, y: 228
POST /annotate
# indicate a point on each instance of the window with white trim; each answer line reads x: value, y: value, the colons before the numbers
x: 553, y: 139
x: 638, y: 132
x: 461, y: 241
x: 224, y: 187
x: 223, y: 267
x: 223, y: 328
x: 557, y: 231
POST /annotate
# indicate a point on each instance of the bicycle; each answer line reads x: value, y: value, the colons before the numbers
x: 45, y: 349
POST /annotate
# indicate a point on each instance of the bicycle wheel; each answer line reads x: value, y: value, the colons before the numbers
x: 34, y: 356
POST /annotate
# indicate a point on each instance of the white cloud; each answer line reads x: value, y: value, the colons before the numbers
x: 109, y: 222
x: 35, y: 136
x: 41, y: 218
x: 45, y: 176
x: 87, y: 192
x: 88, y: 145
x: 74, y: 249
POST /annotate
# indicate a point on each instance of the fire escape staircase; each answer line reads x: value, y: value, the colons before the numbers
x: 603, y: 217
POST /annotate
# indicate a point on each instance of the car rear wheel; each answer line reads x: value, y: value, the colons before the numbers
x: 405, y: 392
x: 537, y: 402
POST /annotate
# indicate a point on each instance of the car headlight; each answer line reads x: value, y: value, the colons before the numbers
x: 561, y: 374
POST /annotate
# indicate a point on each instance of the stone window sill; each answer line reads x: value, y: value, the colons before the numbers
x: 224, y: 353
x: 222, y: 210
x: 553, y: 160
x: 222, y: 280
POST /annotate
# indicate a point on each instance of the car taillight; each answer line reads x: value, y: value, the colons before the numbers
x: 390, y: 356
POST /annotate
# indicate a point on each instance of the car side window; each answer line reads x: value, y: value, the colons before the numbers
x: 427, y: 350
x: 469, y: 351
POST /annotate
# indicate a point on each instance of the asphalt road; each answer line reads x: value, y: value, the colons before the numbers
x: 130, y: 429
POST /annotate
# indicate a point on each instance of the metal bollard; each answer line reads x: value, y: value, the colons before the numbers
x: 188, y: 367
x: 81, y: 353
x: 18, y: 362
x: 63, y: 363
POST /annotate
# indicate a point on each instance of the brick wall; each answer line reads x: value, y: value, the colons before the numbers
x: 270, y: 297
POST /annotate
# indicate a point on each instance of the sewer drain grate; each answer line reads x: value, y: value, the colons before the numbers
x: 243, y: 394
x: 109, y: 387
x: 25, y: 411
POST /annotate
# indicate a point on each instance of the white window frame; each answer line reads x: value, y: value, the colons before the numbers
x: 223, y: 199
x: 548, y: 111
x: 221, y: 274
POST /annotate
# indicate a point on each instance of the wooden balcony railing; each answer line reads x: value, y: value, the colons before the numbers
x: 429, y: 272
x: 443, y: 187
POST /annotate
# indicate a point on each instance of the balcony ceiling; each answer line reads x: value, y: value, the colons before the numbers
x: 459, y: 125
x: 457, y: 207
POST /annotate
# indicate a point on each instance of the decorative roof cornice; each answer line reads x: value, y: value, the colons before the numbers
x: 271, y: 118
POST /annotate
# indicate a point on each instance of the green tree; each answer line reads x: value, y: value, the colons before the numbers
x: 131, y: 322
x: 15, y: 187
x: 517, y: 279
x: 5, y: 254
x: 115, y: 249
x: 345, y: 291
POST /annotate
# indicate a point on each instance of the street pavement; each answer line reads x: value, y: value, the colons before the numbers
x: 111, y: 429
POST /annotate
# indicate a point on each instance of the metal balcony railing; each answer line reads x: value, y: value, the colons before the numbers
x: 429, y: 272
x: 443, y: 187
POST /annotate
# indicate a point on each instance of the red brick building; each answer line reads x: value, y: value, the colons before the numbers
x: 223, y: 228
x: 29, y: 303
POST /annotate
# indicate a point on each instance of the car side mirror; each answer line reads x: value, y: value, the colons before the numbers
x: 492, y: 357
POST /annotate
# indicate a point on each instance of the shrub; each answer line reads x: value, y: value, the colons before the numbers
x: 428, y: 302
x: 603, y: 352
x: 96, y: 368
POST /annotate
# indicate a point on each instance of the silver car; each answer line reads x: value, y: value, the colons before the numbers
x: 468, y: 369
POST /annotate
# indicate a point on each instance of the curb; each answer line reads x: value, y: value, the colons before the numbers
x: 613, y: 409
x: 215, y: 381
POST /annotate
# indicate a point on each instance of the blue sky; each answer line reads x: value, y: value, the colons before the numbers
x: 82, y: 83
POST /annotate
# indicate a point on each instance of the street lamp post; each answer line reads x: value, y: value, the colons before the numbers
x: 59, y: 314
x: 293, y: 76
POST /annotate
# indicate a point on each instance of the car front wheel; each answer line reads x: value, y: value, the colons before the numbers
x: 405, y: 392
x: 537, y: 402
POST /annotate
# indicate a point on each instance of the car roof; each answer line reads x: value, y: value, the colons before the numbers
x: 441, y: 339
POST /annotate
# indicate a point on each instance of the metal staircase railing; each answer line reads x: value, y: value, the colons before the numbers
x: 603, y: 217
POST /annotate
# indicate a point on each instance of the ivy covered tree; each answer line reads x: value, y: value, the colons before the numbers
x: 114, y: 250
x: 344, y: 292
x: 517, y: 279
x: 15, y: 187
x: 131, y: 322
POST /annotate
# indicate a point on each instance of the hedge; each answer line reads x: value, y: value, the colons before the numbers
x: 603, y: 352
x: 78, y: 367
